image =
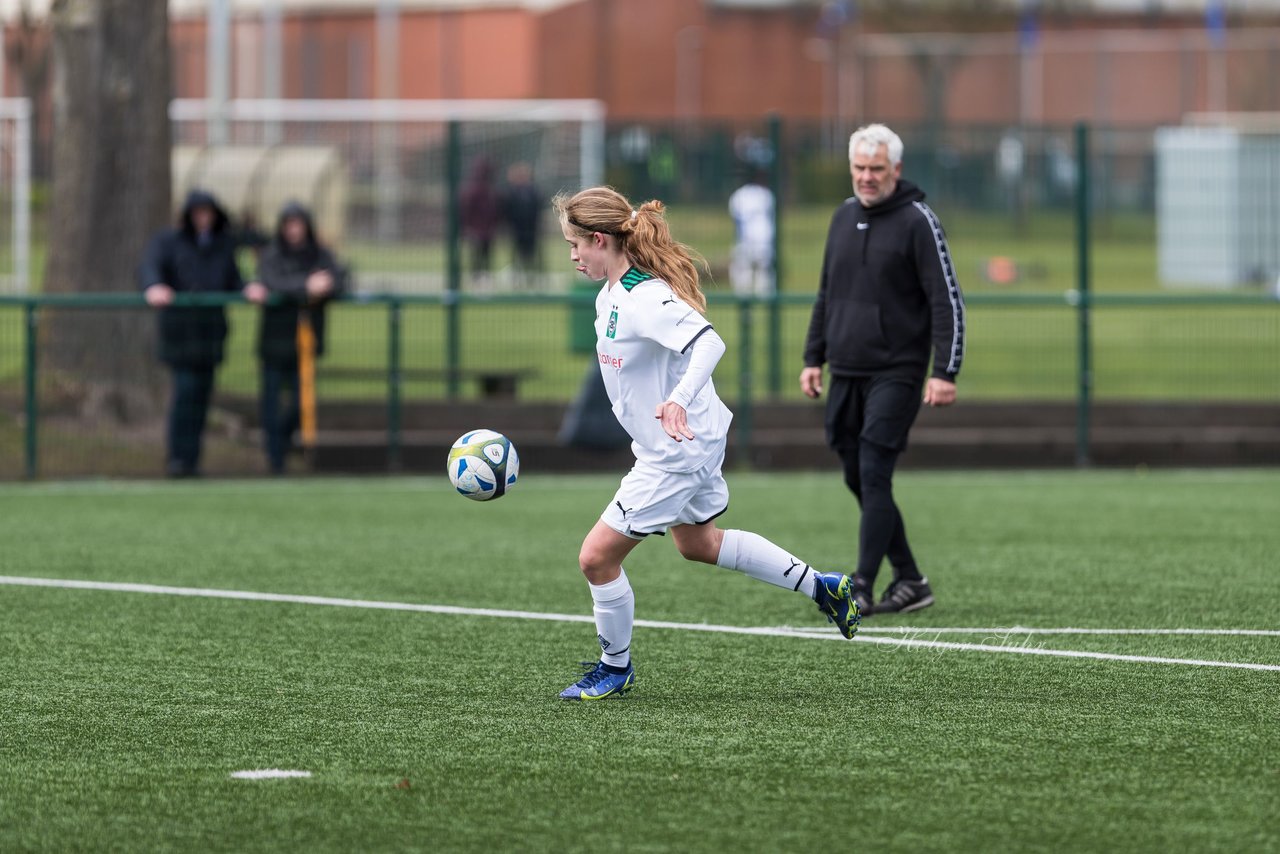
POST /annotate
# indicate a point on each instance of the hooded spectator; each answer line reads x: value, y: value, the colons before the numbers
x: 304, y: 275
x: 197, y: 257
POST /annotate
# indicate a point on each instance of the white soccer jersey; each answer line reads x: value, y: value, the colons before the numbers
x: 643, y: 336
x: 751, y: 207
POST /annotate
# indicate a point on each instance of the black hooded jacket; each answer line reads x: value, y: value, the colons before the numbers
x: 888, y: 293
x: 284, y: 270
x: 193, y: 337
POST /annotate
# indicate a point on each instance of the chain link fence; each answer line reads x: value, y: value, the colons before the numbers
x: 428, y: 341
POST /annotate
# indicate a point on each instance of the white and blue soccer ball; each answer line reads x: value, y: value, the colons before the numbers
x: 483, y: 465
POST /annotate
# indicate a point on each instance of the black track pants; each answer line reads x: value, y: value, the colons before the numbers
x: 188, y: 410
x: 867, y: 421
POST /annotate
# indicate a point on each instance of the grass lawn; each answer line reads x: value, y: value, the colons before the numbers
x: 1124, y: 250
x: 126, y: 712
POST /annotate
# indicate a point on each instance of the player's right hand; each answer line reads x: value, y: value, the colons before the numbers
x: 674, y: 420
x: 811, y: 381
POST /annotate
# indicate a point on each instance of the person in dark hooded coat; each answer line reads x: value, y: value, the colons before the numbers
x: 199, y: 256
x: 305, y: 275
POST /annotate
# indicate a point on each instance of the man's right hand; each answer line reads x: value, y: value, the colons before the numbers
x: 256, y: 292
x: 811, y: 381
x: 158, y: 295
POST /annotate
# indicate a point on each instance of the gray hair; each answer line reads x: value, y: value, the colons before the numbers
x: 868, y: 140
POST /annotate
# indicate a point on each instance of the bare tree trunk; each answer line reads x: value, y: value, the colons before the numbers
x: 111, y: 191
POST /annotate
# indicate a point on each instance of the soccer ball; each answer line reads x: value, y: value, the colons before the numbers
x: 483, y: 465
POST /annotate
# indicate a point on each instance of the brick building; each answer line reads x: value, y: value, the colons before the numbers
x: 1137, y: 62
x: 1123, y: 62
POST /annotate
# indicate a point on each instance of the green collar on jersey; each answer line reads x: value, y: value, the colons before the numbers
x: 633, y: 277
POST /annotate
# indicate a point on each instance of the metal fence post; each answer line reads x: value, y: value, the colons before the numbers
x: 744, y: 414
x: 1083, y: 304
x: 29, y: 382
x: 775, y: 306
x: 453, y: 249
x: 394, y: 383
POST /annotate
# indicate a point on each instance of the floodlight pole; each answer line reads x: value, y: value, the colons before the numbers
x: 592, y: 147
x: 21, y: 223
x: 744, y: 415
x: 775, y: 306
x: 218, y: 67
x: 388, y: 90
x: 1082, y: 300
x: 453, y: 257
x: 272, y: 64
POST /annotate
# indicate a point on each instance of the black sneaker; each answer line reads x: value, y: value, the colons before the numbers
x: 905, y: 595
x: 862, y: 595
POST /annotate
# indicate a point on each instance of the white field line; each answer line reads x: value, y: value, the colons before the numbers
x: 910, y: 643
x: 268, y: 774
x: 1004, y: 631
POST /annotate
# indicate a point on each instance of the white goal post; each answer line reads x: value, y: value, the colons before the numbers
x: 378, y: 172
x: 15, y: 180
x: 589, y: 113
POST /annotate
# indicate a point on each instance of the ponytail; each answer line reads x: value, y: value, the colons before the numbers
x: 641, y: 233
x: 647, y: 240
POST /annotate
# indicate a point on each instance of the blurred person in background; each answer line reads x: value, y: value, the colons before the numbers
x: 751, y: 259
x: 197, y: 257
x: 522, y: 211
x: 887, y: 297
x: 304, y: 274
x: 481, y: 211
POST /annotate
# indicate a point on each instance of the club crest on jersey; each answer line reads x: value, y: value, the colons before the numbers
x: 612, y: 331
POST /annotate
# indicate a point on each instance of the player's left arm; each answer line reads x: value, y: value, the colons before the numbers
x: 937, y: 274
x: 704, y: 355
x: 674, y: 324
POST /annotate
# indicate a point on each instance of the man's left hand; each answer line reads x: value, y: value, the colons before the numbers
x: 319, y: 285
x: 939, y: 392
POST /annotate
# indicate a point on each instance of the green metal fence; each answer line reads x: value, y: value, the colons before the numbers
x: 388, y: 352
x: 1053, y: 230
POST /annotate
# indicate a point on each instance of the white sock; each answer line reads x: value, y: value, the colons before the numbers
x: 615, y: 610
x: 759, y: 558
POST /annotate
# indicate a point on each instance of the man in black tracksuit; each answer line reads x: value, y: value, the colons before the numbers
x: 199, y: 256
x: 888, y: 299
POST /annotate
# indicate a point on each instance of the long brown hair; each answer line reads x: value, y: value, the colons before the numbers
x: 642, y: 235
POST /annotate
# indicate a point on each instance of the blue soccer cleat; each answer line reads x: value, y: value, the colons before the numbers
x: 834, y: 594
x: 598, y: 683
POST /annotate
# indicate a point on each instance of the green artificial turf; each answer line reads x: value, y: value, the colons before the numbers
x: 125, y: 713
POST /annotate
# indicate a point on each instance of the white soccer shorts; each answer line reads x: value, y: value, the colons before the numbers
x: 650, y: 500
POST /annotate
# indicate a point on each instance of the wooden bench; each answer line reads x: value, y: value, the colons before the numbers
x: 492, y: 383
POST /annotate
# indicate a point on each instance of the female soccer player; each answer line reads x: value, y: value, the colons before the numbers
x: 656, y: 352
